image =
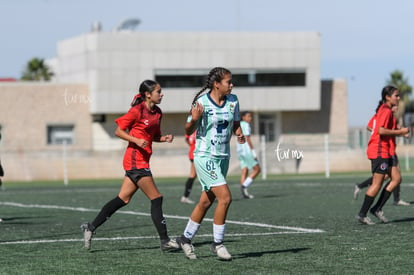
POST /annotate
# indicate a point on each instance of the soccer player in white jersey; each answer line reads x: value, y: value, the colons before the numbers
x: 247, y: 157
x: 215, y: 116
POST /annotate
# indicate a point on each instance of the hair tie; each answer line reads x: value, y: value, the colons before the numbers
x: 135, y: 98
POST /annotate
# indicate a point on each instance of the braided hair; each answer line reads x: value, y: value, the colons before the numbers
x: 216, y: 74
x: 146, y: 86
x: 386, y: 91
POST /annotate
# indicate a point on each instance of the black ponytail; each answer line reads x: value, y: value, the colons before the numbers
x: 386, y: 91
x: 216, y: 74
x: 146, y: 86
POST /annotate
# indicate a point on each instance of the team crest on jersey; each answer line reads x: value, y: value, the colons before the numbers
x: 384, y: 166
x: 213, y: 175
x: 231, y: 107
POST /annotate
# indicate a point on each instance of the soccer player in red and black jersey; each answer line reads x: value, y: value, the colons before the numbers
x: 380, y: 153
x: 140, y: 127
x: 396, y: 192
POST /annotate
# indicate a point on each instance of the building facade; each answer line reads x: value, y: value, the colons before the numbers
x: 276, y: 76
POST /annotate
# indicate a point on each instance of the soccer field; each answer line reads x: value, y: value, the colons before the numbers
x: 296, y: 224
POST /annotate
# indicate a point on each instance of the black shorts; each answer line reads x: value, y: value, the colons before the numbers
x: 381, y: 165
x: 136, y: 174
x: 1, y: 171
x: 394, y: 160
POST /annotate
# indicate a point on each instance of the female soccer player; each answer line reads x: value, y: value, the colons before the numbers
x: 379, y: 152
x: 247, y: 157
x: 215, y: 116
x: 140, y: 127
x: 397, y: 190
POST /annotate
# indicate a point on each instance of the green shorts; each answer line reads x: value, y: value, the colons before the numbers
x: 211, y: 172
x: 248, y: 161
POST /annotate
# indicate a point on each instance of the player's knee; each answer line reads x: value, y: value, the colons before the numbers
x: 226, y: 201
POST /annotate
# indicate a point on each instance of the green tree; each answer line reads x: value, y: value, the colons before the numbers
x: 398, y: 80
x: 37, y: 70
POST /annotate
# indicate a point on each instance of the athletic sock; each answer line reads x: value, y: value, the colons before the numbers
x: 106, y: 212
x: 218, y: 233
x: 365, y: 183
x: 396, y: 193
x: 191, y: 229
x: 188, y: 187
x: 247, y: 182
x: 385, y: 195
x: 158, y: 218
x: 368, y: 200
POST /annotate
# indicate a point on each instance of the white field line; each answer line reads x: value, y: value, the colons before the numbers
x: 288, y: 229
x: 144, y: 237
x: 81, y: 209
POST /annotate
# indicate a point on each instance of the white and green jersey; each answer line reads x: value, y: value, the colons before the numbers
x: 215, y: 126
x: 244, y: 149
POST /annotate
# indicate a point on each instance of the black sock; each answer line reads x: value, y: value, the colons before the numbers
x: 366, y: 205
x: 396, y: 193
x: 158, y: 218
x: 385, y: 195
x: 365, y: 183
x: 185, y: 240
x: 188, y: 187
x: 107, y: 211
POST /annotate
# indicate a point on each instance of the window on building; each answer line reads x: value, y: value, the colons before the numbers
x: 267, y: 127
x: 58, y: 134
x: 241, y: 78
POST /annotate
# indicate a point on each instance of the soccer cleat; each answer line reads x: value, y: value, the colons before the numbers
x: 87, y: 235
x: 186, y: 200
x: 1, y: 220
x: 245, y: 194
x: 356, y: 191
x: 187, y: 248
x: 379, y: 215
x: 221, y: 251
x: 401, y: 202
x: 169, y: 245
x: 364, y: 220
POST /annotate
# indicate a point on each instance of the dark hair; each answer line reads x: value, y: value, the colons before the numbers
x: 146, y: 86
x: 216, y: 74
x: 242, y: 114
x: 386, y: 91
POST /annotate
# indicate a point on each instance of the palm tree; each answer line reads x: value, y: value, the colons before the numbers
x: 398, y: 80
x: 37, y: 70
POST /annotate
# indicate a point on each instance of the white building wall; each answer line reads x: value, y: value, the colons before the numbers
x: 114, y: 63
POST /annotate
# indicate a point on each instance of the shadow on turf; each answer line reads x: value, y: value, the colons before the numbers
x: 16, y: 220
x: 261, y: 253
x: 403, y: 220
x: 271, y: 196
x: 196, y: 245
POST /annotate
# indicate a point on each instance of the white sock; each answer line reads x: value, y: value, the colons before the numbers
x: 191, y: 229
x: 247, y: 182
x: 218, y: 232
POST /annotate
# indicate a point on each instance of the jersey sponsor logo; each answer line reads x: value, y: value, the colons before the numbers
x: 146, y: 122
x: 219, y: 140
x: 222, y: 126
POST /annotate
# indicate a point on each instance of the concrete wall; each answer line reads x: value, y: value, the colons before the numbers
x: 27, y: 108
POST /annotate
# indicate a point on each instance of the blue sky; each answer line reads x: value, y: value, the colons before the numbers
x: 362, y: 41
